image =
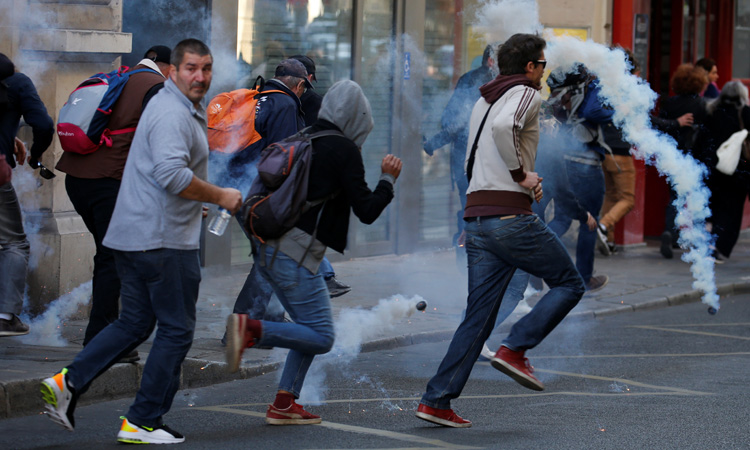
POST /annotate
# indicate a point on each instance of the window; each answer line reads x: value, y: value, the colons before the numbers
x: 269, y: 31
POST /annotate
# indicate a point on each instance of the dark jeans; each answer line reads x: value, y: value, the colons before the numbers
x: 257, y: 300
x: 14, y: 252
x: 587, y: 185
x: 496, y: 248
x: 94, y: 200
x: 670, y: 214
x: 728, y: 194
x: 159, y: 287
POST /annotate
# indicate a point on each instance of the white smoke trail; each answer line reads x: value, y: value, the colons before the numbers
x: 46, y: 329
x: 353, y: 327
x: 633, y: 101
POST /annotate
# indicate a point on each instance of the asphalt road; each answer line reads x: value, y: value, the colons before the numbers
x: 672, y: 378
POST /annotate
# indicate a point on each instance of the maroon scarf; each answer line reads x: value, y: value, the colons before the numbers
x: 502, y: 83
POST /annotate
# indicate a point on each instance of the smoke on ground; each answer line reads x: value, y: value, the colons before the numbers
x: 353, y: 327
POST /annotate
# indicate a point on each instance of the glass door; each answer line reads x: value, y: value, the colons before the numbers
x: 376, y: 76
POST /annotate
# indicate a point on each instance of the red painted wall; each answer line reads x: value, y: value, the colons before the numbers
x: 630, y: 229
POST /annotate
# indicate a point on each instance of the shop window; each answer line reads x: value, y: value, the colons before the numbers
x: 378, y: 59
x: 439, y: 202
x: 271, y: 30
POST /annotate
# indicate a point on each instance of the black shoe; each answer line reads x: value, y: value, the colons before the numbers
x: 718, y: 257
x: 13, y: 327
x: 601, y: 240
x: 596, y: 283
x: 336, y: 288
x: 130, y: 358
x: 666, y: 245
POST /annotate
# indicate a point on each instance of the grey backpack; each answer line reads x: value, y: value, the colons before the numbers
x: 278, y: 195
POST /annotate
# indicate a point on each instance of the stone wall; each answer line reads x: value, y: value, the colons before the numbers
x: 58, y: 44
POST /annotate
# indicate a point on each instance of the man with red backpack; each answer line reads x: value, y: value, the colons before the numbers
x: 93, y: 181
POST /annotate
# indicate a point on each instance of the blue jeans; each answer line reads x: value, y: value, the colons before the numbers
x: 14, y: 252
x: 587, y: 185
x: 158, y: 287
x: 496, y: 248
x: 513, y: 295
x: 305, y: 297
x: 256, y: 298
x: 326, y: 269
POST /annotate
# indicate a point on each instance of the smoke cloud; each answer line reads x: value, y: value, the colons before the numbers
x: 46, y: 329
x: 499, y: 20
x: 353, y: 327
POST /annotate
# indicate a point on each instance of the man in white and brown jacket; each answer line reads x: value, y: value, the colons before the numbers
x: 503, y: 234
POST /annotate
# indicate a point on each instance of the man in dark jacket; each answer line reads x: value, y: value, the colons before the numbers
x: 292, y: 262
x: 93, y: 181
x: 20, y: 99
x: 310, y: 100
x: 455, y: 126
x: 278, y: 115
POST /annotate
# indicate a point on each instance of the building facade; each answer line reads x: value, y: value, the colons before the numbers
x: 407, y: 55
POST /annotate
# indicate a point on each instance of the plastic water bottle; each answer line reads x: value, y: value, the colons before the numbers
x: 219, y: 222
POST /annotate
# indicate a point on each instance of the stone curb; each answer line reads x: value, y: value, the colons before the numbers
x: 20, y: 398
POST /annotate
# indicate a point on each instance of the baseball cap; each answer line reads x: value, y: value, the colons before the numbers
x: 293, y: 68
x: 308, y: 63
x: 162, y: 54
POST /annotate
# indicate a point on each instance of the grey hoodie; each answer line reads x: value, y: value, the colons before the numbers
x: 346, y: 106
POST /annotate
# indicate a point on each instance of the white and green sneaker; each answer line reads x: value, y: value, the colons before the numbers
x: 131, y: 433
x: 60, y: 399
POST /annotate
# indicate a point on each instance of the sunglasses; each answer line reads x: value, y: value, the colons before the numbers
x: 46, y: 173
x: 543, y: 62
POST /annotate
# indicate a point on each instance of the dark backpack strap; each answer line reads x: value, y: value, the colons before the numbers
x: 473, y: 154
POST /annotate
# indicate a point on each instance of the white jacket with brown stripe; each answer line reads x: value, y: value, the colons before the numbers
x: 507, y: 148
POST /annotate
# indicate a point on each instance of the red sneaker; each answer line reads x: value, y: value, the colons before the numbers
x: 444, y: 417
x: 516, y: 366
x: 293, y: 415
x: 238, y: 339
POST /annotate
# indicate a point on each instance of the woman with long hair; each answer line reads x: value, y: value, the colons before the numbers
x: 687, y: 82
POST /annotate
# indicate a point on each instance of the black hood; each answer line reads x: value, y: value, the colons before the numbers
x: 6, y: 67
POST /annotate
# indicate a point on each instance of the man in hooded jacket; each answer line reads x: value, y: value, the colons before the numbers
x: 503, y: 234
x: 18, y: 98
x: 292, y: 270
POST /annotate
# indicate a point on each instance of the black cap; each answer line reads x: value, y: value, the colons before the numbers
x: 159, y: 53
x: 309, y: 64
x: 293, y: 68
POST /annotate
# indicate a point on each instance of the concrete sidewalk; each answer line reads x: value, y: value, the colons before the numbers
x: 639, y: 279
